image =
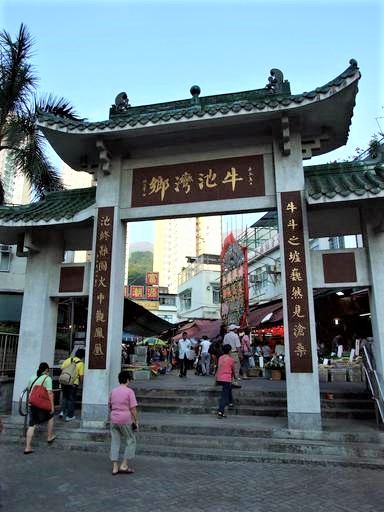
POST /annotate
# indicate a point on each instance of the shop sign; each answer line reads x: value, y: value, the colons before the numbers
x: 211, y: 180
x: 152, y: 293
x: 296, y: 284
x: 152, y: 278
x: 136, y: 292
x: 149, y: 304
x: 101, y: 289
x: 234, y: 282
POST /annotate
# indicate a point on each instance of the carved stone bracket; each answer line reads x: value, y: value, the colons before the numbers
x: 285, y: 136
x: 308, y: 146
x: 104, y: 157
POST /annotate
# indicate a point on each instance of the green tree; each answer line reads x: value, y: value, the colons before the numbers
x: 19, y: 107
x: 139, y: 263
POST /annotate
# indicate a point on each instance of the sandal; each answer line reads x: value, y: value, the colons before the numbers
x: 127, y: 471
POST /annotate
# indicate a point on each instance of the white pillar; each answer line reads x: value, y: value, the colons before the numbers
x: 98, y: 383
x: 303, y: 391
x: 374, y: 241
x: 39, y: 313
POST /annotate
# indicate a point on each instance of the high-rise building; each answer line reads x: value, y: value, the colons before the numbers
x: 16, y: 186
x: 176, y: 239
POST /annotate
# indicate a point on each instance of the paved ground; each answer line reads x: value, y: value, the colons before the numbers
x: 56, y: 481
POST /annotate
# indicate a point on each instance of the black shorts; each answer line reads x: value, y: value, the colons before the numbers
x: 37, y: 416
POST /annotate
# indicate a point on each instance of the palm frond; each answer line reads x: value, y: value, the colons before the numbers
x: 17, y: 77
x: 57, y: 106
x: 31, y: 160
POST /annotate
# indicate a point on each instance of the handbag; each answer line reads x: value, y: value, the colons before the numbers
x: 39, y: 396
x: 251, y: 362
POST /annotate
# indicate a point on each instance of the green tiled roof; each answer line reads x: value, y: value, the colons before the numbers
x: 56, y: 206
x: 247, y: 101
x: 345, y: 179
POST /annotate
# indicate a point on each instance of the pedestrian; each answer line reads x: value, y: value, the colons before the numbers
x: 232, y: 338
x: 69, y: 391
x: 246, y: 353
x: 123, y: 419
x: 184, y: 347
x: 224, y: 376
x: 205, y: 356
x: 37, y: 416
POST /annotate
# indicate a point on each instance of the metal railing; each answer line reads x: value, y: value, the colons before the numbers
x: 374, y: 384
x: 8, y: 353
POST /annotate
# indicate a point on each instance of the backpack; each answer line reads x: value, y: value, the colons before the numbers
x: 68, y: 375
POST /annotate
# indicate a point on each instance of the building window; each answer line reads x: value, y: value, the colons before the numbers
x: 167, y: 301
x: 216, y: 295
x: 186, y: 300
x: 5, y: 258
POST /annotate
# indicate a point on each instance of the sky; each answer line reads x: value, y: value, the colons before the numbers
x: 88, y: 51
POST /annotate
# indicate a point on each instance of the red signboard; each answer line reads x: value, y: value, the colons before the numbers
x: 296, y: 284
x: 211, y: 180
x: 136, y: 292
x: 152, y: 278
x: 101, y: 289
x: 152, y: 293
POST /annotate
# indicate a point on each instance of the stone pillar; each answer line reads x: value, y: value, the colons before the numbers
x: 39, y: 313
x: 373, y: 226
x: 99, y: 382
x: 303, y: 393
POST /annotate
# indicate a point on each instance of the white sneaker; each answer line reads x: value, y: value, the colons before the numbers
x: 70, y: 418
x: 61, y: 415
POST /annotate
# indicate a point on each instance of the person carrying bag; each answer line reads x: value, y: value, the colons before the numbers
x: 41, y: 405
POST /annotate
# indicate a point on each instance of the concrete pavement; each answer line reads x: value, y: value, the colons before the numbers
x: 67, y: 481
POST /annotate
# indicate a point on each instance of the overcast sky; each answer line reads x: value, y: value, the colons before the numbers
x: 89, y: 51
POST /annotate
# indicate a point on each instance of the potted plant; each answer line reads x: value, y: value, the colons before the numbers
x: 276, y: 365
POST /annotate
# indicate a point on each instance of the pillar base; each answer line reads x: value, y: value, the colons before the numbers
x: 304, y: 421
x: 94, y: 416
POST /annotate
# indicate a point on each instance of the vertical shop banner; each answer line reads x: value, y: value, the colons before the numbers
x: 296, y: 284
x: 101, y: 289
x: 234, y: 282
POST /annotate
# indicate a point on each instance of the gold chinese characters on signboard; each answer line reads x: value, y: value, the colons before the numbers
x: 199, y: 181
x: 296, y: 284
x: 101, y: 289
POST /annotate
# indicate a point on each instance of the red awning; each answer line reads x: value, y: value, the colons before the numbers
x: 198, y: 328
x: 266, y: 314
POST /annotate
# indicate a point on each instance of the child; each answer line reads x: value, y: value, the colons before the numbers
x: 225, y: 374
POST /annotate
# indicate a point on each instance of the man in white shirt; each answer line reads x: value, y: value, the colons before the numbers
x: 184, y: 347
x: 205, y: 356
x: 232, y: 338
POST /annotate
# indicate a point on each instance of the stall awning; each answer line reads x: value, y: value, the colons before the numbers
x: 141, y: 322
x: 271, y: 313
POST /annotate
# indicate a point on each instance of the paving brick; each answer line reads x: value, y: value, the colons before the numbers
x: 67, y: 481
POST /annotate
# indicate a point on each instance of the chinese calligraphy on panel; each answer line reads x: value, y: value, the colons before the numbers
x: 199, y: 181
x: 101, y: 289
x: 296, y: 284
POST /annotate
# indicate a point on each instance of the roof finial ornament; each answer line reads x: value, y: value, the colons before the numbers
x: 122, y: 102
x: 275, y: 81
x: 353, y: 63
x: 195, y: 91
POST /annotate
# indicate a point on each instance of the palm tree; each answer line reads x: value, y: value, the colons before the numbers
x: 19, y: 107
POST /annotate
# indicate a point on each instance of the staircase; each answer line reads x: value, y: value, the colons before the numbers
x: 260, y: 403
x: 182, y: 423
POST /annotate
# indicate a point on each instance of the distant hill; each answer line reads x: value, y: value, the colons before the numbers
x: 140, y: 247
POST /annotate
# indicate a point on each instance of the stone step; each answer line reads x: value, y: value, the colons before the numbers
x: 175, y: 425
x: 214, y: 454
x: 249, y: 401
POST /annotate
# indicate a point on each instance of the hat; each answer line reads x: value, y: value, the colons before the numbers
x: 232, y: 327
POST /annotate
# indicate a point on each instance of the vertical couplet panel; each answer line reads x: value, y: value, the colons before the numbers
x: 296, y: 283
x: 101, y: 289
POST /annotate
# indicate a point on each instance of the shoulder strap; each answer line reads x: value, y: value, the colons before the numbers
x: 36, y: 380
